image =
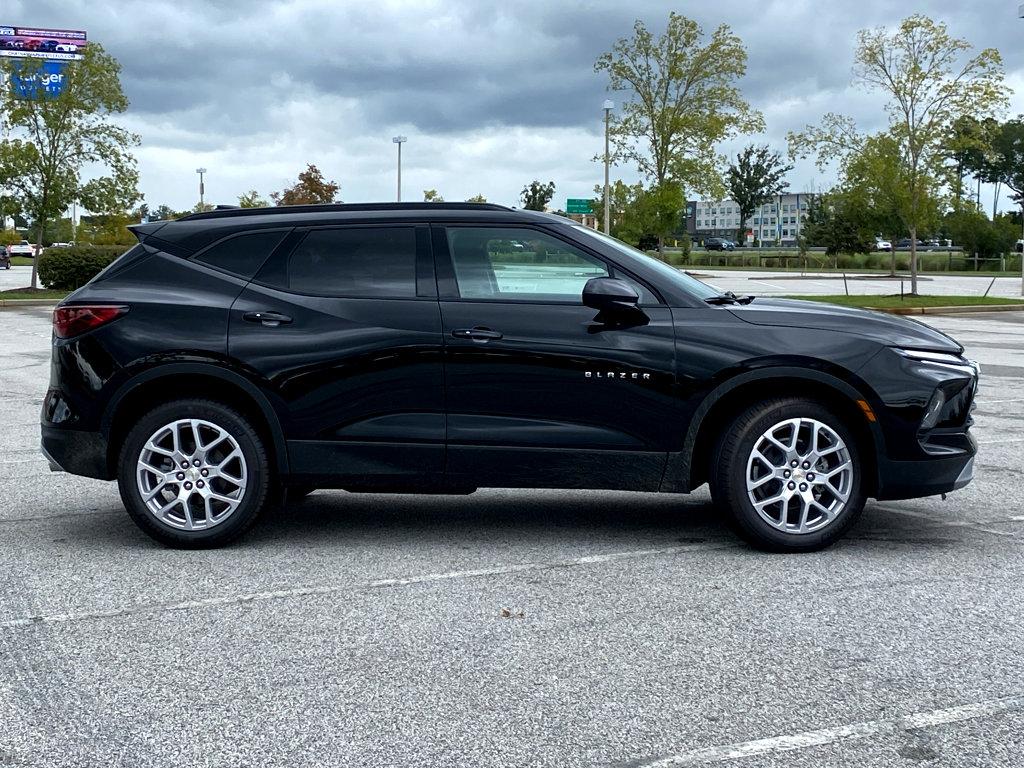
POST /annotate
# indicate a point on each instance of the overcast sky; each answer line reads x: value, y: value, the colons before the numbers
x: 490, y: 95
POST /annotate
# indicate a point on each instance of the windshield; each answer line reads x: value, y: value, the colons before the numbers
x: 678, y: 278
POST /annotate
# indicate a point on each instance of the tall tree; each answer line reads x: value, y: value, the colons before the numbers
x: 1006, y: 159
x: 536, y: 195
x: 311, y: 189
x: 432, y: 196
x: 754, y: 179
x: 478, y: 198
x: 53, y: 136
x: 930, y: 80
x: 252, y: 199
x: 682, y: 99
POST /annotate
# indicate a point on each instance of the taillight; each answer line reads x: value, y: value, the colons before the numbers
x: 77, y: 319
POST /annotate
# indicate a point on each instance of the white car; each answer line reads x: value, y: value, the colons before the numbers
x: 67, y: 48
x: 21, y: 249
x: 883, y: 245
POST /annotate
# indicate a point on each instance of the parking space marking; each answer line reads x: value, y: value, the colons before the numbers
x: 828, y: 736
x: 976, y: 526
x: 312, y: 590
x: 1001, y: 440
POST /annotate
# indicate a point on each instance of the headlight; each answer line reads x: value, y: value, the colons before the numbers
x: 933, y: 357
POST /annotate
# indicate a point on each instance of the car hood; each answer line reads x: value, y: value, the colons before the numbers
x: 893, y: 330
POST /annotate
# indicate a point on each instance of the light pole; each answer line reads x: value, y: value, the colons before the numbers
x: 609, y: 105
x: 398, y: 140
x: 202, y: 189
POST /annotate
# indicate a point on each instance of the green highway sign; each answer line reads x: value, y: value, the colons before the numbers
x: 578, y: 206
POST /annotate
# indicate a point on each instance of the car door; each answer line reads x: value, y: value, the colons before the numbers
x: 343, y: 328
x: 541, y: 390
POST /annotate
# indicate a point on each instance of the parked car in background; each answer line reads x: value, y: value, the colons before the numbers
x: 24, y: 248
x: 883, y: 245
x: 719, y: 244
x: 5, y: 258
x: 1019, y: 248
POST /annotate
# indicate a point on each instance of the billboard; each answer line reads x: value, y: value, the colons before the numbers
x: 37, y: 43
x: 54, y: 47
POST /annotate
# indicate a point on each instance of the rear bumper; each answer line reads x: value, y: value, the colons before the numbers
x: 76, y: 451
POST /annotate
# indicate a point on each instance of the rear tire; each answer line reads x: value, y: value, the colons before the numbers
x: 787, y: 475
x: 194, y: 474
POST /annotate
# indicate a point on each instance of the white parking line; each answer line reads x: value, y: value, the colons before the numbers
x: 1001, y: 440
x: 858, y: 731
x: 299, y: 592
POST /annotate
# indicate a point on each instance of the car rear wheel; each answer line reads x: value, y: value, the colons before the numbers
x: 193, y: 474
x: 788, y: 476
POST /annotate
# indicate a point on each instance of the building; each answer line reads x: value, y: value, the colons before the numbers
x: 776, y: 222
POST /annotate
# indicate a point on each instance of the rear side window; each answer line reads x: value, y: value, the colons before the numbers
x: 242, y: 255
x: 356, y: 262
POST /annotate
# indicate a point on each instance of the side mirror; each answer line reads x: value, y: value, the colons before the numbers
x: 610, y: 294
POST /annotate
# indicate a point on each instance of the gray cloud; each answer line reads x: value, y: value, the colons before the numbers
x: 491, y: 95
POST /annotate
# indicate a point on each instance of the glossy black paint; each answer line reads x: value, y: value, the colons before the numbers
x: 435, y: 391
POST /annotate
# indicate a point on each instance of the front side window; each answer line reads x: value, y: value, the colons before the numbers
x: 375, y: 262
x: 511, y: 263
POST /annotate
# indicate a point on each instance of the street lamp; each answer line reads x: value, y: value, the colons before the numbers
x: 609, y: 105
x: 398, y: 140
x: 202, y: 189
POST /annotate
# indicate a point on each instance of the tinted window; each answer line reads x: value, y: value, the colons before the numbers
x: 242, y: 254
x: 515, y: 263
x: 356, y: 261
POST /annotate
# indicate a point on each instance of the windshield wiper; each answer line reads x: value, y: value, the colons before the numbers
x: 728, y: 297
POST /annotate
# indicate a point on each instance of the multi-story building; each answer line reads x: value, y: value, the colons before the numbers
x: 779, y: 221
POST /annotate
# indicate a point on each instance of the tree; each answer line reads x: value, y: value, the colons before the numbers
x: 833, y: 222
x: 754, y: 179
x: 966, y: 142
x: 643, y: 217
x: 311, y: 189
x: 252, y: 199
x: 478, y: 198
x: 54, y: 136
x: 683, y: 99
x: 921, y: 68
x: 432, y: 196
x: 536, y: 195
x: 1005, y: 159
x: 162, y: 212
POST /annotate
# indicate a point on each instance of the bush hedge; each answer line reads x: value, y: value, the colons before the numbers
x: 69, y: 268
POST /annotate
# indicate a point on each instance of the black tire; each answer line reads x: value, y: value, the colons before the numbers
x: 729, y: 469
x: 257, y: 487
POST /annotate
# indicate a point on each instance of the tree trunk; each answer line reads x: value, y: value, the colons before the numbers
x: 913, y: 261
x: 892, y: 258
x: 38, y: 247
x: 661, y: 247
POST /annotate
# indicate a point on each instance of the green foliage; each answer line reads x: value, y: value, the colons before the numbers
x: 311, y: 189
x: 645, y: 217
x: 432, y: 196
x: 9, y: 237
x: 683, y: 99
x: 833, y: 222
x: 66, y: 269
x: 252, y: 199
x: 536, y: 195
x: 478, y: 198
x: 754, y: 179
x: 53, y: 138
x: 971, y: 230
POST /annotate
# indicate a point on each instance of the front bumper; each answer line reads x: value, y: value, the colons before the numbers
x: 76, y: 451
x: 927, y: 477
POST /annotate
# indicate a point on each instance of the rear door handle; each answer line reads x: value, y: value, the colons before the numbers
x: 479, y: 334
x: 266, y: 317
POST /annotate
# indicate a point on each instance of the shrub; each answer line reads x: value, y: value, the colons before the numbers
x: 65, y: 269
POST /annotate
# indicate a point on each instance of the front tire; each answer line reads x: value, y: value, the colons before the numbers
x: 194, y: 474
x: 787, y: 475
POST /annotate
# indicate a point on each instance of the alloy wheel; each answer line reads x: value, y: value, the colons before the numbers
x: 799, y: 475
x: 191, y: 474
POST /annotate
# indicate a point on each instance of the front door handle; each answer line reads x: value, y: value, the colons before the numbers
x: 266, y: 317
x: 477, y: 334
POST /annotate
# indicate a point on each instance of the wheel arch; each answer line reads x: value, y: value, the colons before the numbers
x: 182, y: 380
x: 689, y: 468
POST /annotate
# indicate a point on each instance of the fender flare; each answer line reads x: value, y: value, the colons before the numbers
x: 678, y: 468
x: 227, y: 375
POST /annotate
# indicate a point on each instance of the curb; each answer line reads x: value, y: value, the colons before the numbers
x: 15, y: 303
x: 955, y: 310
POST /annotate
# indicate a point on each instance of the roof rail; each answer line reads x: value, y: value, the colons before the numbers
x: 226, y: 211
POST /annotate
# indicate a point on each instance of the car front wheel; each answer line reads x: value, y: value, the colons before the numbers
x: 788, y: 475
x: 193, y: 474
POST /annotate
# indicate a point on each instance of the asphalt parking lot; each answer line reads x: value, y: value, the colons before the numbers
x: 369, y: 630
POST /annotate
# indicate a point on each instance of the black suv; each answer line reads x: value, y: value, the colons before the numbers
x: 234, y: 359
x: 719, y: 244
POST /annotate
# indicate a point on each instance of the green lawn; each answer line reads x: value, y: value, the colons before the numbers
x: 22, y: 261
x: 887, y: 302
x: 848, y: 270
x: 28, y: 293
